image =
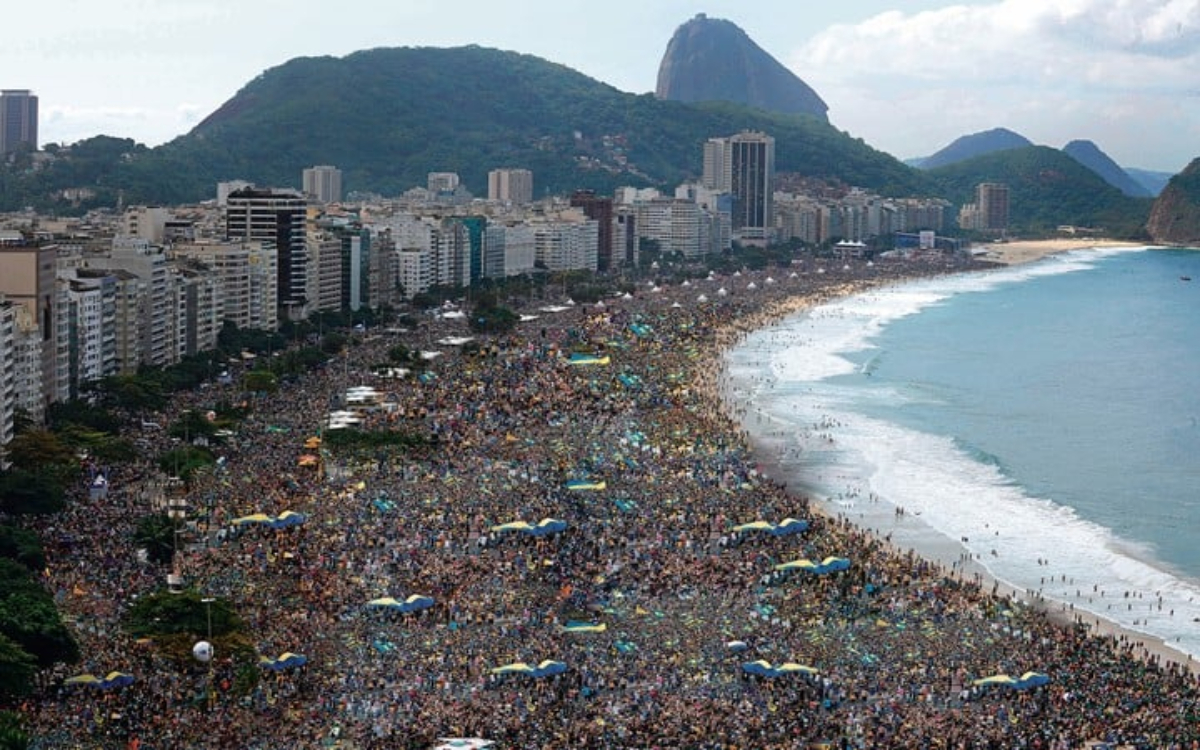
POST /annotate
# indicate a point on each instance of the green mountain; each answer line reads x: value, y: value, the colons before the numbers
x: 1089, y: 155
x: 970, y: 146
x: 1047, y: 188
x: 1175, y: 218
x: 387, y: 117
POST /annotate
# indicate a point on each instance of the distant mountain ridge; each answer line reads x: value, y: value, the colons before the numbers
x: 1175, y: 217
x: 711, y: 59
x: 1089, y: 155
x: 1047, y: 188
x: 975, y: 144
x: 387, y: 117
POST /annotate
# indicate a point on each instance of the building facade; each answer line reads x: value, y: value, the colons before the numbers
x: 276, y: 218
x: 323, y: 184
x: 743, y: 165
x: 18, y: 120
x: 513, y: 186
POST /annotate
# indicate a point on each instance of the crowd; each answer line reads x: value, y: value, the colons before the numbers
x: 676, y: 601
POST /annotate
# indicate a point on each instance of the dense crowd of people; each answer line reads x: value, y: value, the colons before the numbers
x: 634, y: 450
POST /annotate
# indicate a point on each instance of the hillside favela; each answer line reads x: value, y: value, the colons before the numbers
x: 447, y: 397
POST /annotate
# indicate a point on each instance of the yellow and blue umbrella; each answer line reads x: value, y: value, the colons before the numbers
x: 582, y: 626
x: 286, y: 660
x: 996, y: 679
x: 579, y: 358
x: 586, y: 484
x: 253, y: 518
x: 753, y: 526
x: 519, y: 667
x: 792, y: 667
x: 513, y: 526
x: 110, y: 681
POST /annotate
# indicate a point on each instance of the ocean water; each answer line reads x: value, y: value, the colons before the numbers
x: 1041, y: 420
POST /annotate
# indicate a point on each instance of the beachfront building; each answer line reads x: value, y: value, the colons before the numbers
x: 28, y: 279
x: 989, y: 212
x: 276, y: 218
x: 246, y: 279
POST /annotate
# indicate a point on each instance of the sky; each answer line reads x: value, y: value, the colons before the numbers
x: 906, y: 76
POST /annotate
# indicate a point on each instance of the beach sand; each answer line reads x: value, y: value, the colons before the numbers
x: 1026, y: 251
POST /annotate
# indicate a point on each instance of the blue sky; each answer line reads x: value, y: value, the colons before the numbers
x: 907, y: 77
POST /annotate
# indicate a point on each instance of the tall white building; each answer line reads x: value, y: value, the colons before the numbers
x: 567, y: 243
x: 158, y: 325
x: 246, y: 274
x: 323, y: 184
x: 510, y: 186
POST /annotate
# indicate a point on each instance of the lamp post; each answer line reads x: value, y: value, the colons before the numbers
x: 208, y: 600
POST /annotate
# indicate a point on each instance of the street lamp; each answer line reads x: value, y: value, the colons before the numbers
x: 203, y: 651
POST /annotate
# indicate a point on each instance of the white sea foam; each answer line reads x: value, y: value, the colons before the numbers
x: 948, y: 493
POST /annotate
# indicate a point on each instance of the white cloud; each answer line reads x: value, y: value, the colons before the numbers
x: 1045, y: 68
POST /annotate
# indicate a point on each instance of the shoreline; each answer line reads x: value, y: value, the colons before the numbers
x: 1149, y: 648
x: 1017, y: 252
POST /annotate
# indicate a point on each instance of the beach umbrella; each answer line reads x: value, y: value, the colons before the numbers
x: 519, y: 667
x: 111, y: 681
x: 549, y: 668
x: 582, y: 626
x: 996, y: 679
x: 548, y: 526
x: 753, y: 526
x: 416, y: 602
x: 252, y: 518
x: 286, y: 660
x: 789, y: 526
x: 803, y: 564
x: 1030, y: 680
x: 385, y: 601
x: 286, y: 519
x: 586, y: 484
x: 513, y: 526
x: 760, y: 667
x: 794, y: 668
x: 579, y: 358
x: 833, y: 565
x: 83, y: 679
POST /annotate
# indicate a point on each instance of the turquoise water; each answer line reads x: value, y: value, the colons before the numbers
x: 1043, y: 420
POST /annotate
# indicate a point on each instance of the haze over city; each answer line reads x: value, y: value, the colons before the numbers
x: 907, y: 81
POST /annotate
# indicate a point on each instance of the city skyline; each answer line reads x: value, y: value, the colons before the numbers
x: 1054, y: 71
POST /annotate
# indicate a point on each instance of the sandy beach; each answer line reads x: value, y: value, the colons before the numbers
x: 1026, y: 251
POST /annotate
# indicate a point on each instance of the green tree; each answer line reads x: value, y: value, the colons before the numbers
x: 23, y: 546
x: 17, y: 668
x: 164, y: 613
x: 156, y: 534
x: 191, y: 425
x: 26, y: 492
x: 260, y: 381
x: 12, y: 732
x: 29, y: 617
x: 185, y: 460
x: 39, y: 450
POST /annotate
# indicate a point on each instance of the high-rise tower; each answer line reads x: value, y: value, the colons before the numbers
x: 277, y: 219
x: 18, y: 120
